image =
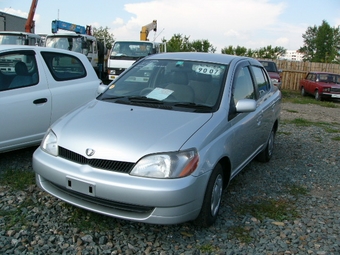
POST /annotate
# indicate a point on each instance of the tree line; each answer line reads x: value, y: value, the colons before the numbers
x: 320, y: 44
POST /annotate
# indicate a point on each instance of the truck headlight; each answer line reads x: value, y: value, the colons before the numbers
x: 112, y: 71
x: 49, y: 143
x: 167, y: 165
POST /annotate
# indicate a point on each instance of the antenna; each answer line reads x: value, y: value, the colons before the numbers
x: 155, y: 37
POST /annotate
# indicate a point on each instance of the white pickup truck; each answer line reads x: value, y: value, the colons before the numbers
x: 38, y: 85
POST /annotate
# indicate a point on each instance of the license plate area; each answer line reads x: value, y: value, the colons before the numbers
x: 81, y: 186
x: 336, y: 95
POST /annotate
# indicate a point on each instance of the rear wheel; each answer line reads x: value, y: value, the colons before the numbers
x: 212, y: 198
x: 267, y: 153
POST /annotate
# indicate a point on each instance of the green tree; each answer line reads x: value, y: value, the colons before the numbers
x: 202, y: 46
x: 228, y: 50
x: 178, y: 43
x: 103, y: 34
x: 270, y: 52
x: 321, y: 44
x: 264, y: 52
x: 241, y: 51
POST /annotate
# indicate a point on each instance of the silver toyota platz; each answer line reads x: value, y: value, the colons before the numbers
x: 164, y: 140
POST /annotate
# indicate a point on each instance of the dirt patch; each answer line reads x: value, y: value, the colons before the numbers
x: 310, y: 112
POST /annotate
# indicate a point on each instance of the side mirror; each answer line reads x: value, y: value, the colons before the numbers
x: 101, y: 89
x: 246, y: 105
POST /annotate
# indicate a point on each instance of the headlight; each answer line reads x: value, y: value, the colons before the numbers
x: 112, y: 71
x: 275, y: 80
x: 49, y: 143
x: 167, y: 165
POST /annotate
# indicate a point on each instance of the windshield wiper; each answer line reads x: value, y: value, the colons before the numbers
x: 197, y: 107
x: 111, y: 97
x: 144, y: 99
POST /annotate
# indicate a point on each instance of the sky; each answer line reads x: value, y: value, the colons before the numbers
x: 247, y: 23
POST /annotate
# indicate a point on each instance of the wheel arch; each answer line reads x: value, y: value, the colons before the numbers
x: 226, y: 166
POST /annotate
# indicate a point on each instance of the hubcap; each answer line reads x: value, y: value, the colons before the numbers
x: 271, y: 143
x: 216, y: 195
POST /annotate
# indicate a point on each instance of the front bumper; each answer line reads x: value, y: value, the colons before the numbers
x: 156, y: 201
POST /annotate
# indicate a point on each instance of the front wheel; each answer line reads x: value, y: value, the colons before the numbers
x: 317, y: 95
x: 212, y: 199
x: 267, y: 153
x: 303, y: 92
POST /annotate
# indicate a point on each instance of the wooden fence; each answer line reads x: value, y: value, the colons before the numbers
x: 294, y: 71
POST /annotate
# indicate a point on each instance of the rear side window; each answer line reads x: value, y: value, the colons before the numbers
x: 261, y: 80
x: 64, y: 67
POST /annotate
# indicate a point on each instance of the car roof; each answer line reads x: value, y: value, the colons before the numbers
x: 18, y: 33
x: 35, y: 48
x: 71, y: 35
x: 200, y: 56
x: 317, y: 72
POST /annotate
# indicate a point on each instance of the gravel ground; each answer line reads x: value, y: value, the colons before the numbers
x: 305, y: 157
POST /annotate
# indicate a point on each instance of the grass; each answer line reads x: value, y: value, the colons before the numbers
x: 17, y: 179
x: 85, y: 220
x: 278, y: 210
x: 207, y: 248
x: 242, y: 234
x: 293, y: 96
x: 336, y: 138
x: 297, y: 190
x: 328, y: 127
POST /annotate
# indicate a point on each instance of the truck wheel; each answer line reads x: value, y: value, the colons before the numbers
x: 212, y: 199
x: 267, y: 153
x: 303, y: 92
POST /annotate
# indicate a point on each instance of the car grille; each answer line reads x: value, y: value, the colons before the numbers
x: 105, y: 202
x: 119, y: 70
x: 111, y: 165
x: 335, y: 90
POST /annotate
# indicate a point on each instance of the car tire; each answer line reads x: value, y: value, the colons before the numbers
x: 317, y: 95
x: 212, y: 198
x: 303, y: 92
x: 266, y: 154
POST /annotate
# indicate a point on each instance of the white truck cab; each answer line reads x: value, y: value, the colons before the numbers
x: 124, y: 53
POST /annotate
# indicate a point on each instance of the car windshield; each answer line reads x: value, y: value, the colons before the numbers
x: 330, y: 78
x: 269, y: 66
x: 131, y: 50
x: 170, y: 84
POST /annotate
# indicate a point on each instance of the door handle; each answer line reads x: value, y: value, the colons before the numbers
x: 40, y: 101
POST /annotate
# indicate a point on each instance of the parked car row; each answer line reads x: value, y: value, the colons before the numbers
x: 157, y: 145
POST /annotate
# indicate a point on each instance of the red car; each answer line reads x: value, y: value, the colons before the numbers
x: 322, y: 85
x: 273, y: 72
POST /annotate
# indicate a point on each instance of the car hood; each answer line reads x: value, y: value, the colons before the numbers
x: 126, y: 132
x: 274, y: 75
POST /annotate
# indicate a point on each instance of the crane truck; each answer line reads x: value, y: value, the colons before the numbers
x: 81, y: 40
x: 124, y: 53
x: 21, y: 37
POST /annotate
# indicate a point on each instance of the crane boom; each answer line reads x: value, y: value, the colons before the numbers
x: 58, y: 24
x: 30, y: 23
x: 146, y: 29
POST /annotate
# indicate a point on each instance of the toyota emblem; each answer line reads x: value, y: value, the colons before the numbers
x: 90, y: 152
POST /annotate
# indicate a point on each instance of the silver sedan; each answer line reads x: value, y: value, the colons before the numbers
x: 164, y: 140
